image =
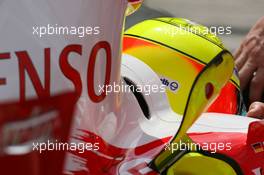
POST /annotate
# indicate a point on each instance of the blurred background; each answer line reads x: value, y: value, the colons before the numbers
x: 241, y: 15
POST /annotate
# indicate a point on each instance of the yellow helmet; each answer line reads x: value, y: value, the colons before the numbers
x: 177, y: 50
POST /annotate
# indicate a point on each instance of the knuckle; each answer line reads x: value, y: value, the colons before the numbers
x: 258, y: 79
x: 257, y: 103
x: 255, y: 82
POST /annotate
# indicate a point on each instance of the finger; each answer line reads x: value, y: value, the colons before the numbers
x: 257, y: 86
x: 256, y: 110
x: 259, y: 24
x: 244, y: 51
x: 246, y: 73
x: 256, y: 52
x: 238, y: 52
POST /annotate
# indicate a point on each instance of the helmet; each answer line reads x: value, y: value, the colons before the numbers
x: 177, y: 50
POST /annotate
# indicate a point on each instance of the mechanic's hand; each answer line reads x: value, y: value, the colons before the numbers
x: 250, y: 61
x: 256, y: 110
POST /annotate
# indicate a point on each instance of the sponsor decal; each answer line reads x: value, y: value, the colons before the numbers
x: 27, y: 69
x: 172, y: 85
